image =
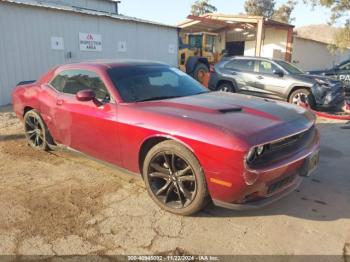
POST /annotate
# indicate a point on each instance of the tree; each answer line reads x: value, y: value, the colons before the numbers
x: 267, y: 9
x: 284, y: 12
x: 339, y: 9
x: 260, y: 7
x: 201, y: 7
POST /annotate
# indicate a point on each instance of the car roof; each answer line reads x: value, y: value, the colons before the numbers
x: 251, y: 57
x: 111, y: 63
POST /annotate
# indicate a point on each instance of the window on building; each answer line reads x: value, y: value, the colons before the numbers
x: 73, y: 81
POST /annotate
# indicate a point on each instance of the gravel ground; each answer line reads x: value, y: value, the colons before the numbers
x: 62, y: 203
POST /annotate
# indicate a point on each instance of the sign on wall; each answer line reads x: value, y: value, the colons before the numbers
x: 90, y: 42
x: 57, y: 43
x: 172, y: 49
x: 122, y: 46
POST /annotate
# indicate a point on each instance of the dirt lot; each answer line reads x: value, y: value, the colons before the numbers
x: 61, y: 203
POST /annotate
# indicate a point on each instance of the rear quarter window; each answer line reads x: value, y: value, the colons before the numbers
x: 243, y: 65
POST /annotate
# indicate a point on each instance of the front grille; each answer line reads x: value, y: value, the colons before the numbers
x: 290, y: 141
x: 280, y: 184
x: 285, y: 147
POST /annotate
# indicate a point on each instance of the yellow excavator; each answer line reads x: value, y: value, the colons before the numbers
x: 197, y: 51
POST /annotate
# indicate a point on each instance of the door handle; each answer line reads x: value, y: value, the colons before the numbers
x: 260, y: 77
x: 59, y: 102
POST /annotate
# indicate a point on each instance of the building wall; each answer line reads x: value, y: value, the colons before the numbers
x: 100, y: 5
x: 274, y: 44
x: 26, y: 53
x: 312, y: 55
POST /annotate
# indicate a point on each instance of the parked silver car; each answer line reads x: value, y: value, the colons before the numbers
x: 275, y: 79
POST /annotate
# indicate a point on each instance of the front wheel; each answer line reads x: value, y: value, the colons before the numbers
x: 302, y: 97
x: 174, y: 178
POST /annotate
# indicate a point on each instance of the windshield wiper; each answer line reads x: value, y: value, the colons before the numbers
x: 157, y: 98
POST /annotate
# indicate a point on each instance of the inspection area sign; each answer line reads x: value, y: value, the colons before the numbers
x: 90, y: 42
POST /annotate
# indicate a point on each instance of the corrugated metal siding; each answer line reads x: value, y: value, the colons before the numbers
x: 25, y: 49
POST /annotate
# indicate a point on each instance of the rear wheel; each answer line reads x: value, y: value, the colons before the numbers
x: 200, y: 72
x: 226, y: 87
x: 174, y: 178
x: 302, y: 97
x: 36, y: 131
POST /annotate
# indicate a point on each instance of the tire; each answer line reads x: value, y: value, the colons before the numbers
x: 36, y: 131
x: 302, y: 97
x: 199, y: 71
x: 226, y: 87
x: 174, y: 179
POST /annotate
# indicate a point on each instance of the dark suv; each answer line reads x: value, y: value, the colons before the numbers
x: 340, y: 72
x: 275, y: 79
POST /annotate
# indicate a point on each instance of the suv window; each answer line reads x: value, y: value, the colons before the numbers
x: 73, y: 81
x: 245, y: 65
x: 345, y: 66
x: 267, y: 67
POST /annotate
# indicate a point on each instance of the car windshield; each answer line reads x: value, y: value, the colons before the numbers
x: 291, y: 69
x: 137, y: 83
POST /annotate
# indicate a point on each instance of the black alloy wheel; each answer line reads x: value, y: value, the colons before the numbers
x: 174, y: 178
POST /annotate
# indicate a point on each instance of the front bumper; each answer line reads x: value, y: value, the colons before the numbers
x: 262, y: 202
x: 276, y: 180
x: 329, y: 96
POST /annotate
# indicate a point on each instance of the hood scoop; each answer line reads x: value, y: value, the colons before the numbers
x: 230, y: 110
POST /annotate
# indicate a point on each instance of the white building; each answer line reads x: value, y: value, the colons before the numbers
x: 310, y: 48
x: 37, y: 35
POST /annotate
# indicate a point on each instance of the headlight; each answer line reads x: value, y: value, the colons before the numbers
x: 260, y: 150
x: 251, y: 155
x: 254, y: 153
x: 321, y: 82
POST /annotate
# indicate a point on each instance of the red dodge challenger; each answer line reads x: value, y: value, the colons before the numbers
x: 189, y: 144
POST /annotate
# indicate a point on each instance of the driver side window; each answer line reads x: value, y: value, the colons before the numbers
x: 73, y: 81
x: 266, y: 67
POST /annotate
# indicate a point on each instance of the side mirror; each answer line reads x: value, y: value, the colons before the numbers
x: 280, y: 73
x: 85, y: 95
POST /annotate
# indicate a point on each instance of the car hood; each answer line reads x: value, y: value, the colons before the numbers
x: 254, y: 119
x: 313, y: 77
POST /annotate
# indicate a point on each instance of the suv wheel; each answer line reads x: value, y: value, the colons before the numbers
x: 174, y: 178
x: 226, y: 87
x: 302, y: 97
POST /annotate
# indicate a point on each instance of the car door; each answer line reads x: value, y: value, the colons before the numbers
x: 90, y: 127
x: 242, y: 71
x: 267, y: 82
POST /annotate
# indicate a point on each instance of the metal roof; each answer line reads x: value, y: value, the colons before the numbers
x: 216, y: 22
x: 80, y: 10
